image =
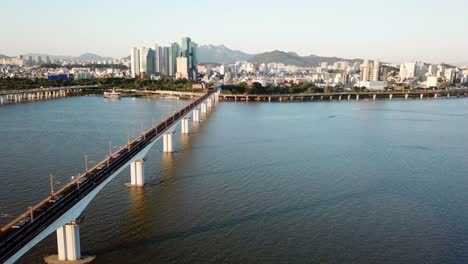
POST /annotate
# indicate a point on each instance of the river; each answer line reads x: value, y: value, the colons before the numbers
x: 320, y: 182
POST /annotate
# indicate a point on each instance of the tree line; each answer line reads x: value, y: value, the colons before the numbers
x: 106, y: 83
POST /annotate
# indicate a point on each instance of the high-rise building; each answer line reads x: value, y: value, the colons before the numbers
x: 407, y: 70
x: 376, y: 71
x: 432, y: 71
x: 38, y: 60
x: 157, y: 59
x: 175, y: 49
x: 135, y: 61
x: 182, y: 68
x: 450, y: 75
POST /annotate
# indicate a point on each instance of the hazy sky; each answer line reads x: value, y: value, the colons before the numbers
x: 398, y: 30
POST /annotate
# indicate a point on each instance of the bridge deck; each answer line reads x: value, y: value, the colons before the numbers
x: 50, y: 209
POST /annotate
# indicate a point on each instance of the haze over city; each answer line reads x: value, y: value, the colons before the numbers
x: 397, y: 31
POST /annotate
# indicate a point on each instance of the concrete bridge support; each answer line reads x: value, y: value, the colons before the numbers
x: 374, y: 97
x: 209, y: 102
x: 196, y: 115
x: 448, y: 95
x: 137, y: 173
x: 203, y: 108
x: 390, y: 96
x: 185, y: 125
x: 357, y: 97
x: 167, y: 138
x: 68, y: 242
x: 421, y: 96
x: 339, y: 98
x: 435, y: 96
x: 406, y: 96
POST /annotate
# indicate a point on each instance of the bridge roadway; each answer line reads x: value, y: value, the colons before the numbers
x: 49, y: 210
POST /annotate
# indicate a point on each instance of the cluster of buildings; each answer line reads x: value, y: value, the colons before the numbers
x: 63, y: 73
x: 25, y: 60
x: 434, y: 75
x: 177, y: 60
x: 372, y: 75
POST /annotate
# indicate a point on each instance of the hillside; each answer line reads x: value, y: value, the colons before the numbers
x: 220, y: 54
x: 291, y: 58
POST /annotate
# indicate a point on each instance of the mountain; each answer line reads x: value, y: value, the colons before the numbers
x: 92, y: 57
x: 292, y: 58
x: 4, y: 56
x: 220, y: 54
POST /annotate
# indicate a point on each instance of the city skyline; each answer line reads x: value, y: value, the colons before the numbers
x: 402, y: 31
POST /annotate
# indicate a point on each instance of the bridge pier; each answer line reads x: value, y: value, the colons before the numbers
x: 374, y: 97
x: 68, y: 242
x: 390, y: 96
x: 69, y: 248
x: 448, y: 95
x: 349, y: 97
x: 421, y: 96
x: 406, y: 96
x: 203, y: 108
x: 167, y: 138
x: 435, y: 96
x: 185, y: 125
x: 339, y: 98
x: 196, y: 115
x: 137, y: 173
x: 209, y: 103
x: 357, y: 97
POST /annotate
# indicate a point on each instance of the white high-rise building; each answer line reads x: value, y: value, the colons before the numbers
x: 182, y: 68
x: 376, y: 71
x: 135, y: 61
x: 450, y: 75
x: 144, y: 52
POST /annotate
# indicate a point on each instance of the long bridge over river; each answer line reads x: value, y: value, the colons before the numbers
x: 61, y: 211
x: 339, y: 96
x: 17, y: 96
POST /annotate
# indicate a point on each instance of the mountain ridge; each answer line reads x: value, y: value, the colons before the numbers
x: 292, y: 58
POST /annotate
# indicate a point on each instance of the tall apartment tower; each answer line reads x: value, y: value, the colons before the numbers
x: 157, y: 58
x: 135, y: 61
x: 365, y: 76
x: 376, y: 71
x: 174, y: 53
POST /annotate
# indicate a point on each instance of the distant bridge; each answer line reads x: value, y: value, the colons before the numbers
x: 16, y: 96
x: 61, y: 211
x: 339, y: 96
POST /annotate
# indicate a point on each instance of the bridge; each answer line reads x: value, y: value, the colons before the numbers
x: 163, y: 92
x: 16, y: 96
x: 61, y: 211
x: 372, y: 95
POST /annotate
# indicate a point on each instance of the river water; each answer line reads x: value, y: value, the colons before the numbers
x: 342, y: 182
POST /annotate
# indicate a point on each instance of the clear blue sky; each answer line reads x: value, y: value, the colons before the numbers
x: 398, y: 30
